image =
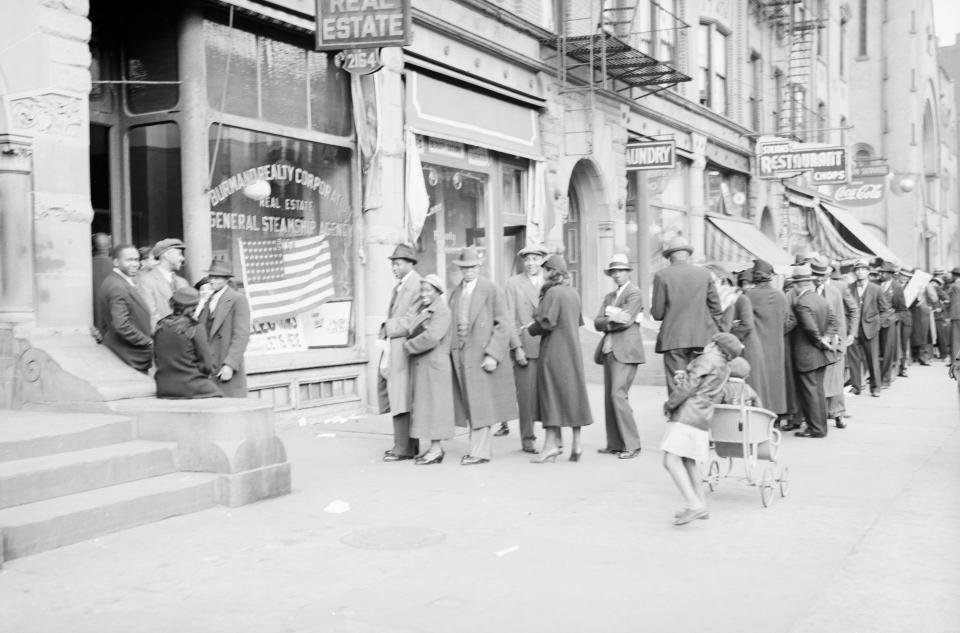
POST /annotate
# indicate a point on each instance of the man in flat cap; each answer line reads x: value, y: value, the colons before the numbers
x: 393, y: 381
x: 685, y: 299
x: 158, y: 284
x: 523, y: 295
x: 866, y: 350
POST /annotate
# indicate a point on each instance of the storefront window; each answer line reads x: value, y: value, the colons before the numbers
x: 156, y: 210
x: 725, y: 192
x: 281, y: 212
x: 150, y: 54
x: 276, y: 81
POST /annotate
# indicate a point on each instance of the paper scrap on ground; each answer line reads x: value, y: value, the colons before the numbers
x: 337, y: 507
x: 325, y: 435
x: 508, y: 550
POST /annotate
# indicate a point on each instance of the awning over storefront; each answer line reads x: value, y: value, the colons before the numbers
x: 735, y: 241
x: 856, y: 234
x: 446, y: 110
x: 826, y: 240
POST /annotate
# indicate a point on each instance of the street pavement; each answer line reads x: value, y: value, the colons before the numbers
x: 867, y: 540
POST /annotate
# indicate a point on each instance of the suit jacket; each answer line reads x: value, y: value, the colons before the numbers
x: 125, y: 322
x: 522, y: 299
x: 872, y: 306
x: 483, y: 398
x: 953, y: 296
x: 897, y: 304
x: 228, y: 332
x: 814, y: 320
x: 156, y: 292
x: 686, y: 300
x: 622, y: 331
x: 403, y: 307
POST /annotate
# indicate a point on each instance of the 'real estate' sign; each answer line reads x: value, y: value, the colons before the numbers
x: 651, y: 155
x: 347, y: 24
x: 781, y: 158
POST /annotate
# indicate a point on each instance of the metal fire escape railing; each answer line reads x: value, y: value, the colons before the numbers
x: 788, y: 17
x: 597, y: 48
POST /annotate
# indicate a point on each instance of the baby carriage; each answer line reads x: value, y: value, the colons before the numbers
x: 747, y: 433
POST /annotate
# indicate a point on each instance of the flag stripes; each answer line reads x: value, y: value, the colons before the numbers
x: 283, y: 278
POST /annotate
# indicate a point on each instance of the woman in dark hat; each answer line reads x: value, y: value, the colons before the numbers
x: 561, y: 383
x: 181, y: 351
x: 770, y: 317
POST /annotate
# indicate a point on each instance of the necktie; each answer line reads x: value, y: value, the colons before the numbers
x: 393, y: 299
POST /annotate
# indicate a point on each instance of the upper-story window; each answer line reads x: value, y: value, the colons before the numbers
x: 712, y: 51
x: 539, y: 12
x: 862, y: 33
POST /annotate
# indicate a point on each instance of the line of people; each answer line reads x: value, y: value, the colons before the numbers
x: 149, y: 316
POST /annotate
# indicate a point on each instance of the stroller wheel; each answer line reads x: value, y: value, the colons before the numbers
x: 784, y: 480
x: 713, y: 475
x: 766, y: 487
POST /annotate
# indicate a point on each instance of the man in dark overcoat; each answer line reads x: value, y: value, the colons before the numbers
x: 866, y: 349
x: 393, y: 381
x: 124, y: 317
x: 620, y: 351
x: 523, y: 295
x: 226, y: 316
x: 953, y: 296
x: 685, y: 299
x: 769, y: 320
x: 814, y: 342
x: 102, y: 265
x: 890, y: 322
x: 480, y: 350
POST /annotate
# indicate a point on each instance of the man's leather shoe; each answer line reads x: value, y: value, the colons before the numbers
x: 807, y: 433
x: 608, y: 451
x: 840, y: 423
x: 902, y: 373
x: 470, y: 460
x: 530, y: 449
x: 503, y: 430
x: 875, y: 394
x: 629, y: 454
x: 393, y: 457
x: 790, y: 426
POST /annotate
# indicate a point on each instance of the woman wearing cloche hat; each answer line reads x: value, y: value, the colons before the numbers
x: 181, y: 351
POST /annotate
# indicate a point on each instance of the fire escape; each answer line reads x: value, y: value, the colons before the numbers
x: 599, y: 47
x: 789, y: 19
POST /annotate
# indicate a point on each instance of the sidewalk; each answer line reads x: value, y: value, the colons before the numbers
x: 866, y: 541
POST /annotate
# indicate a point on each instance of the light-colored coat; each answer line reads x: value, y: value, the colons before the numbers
x: 481, y: 398
x: 228, y: 334
x: 156, y: 292
x: 431, y: 374
x: 843, y: 306
x: 522, y: 300
x: 395, y: 329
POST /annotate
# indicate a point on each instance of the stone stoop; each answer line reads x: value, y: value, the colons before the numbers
x: 67, y: 477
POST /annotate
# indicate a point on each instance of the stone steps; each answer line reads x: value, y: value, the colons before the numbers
x: 43, y: 525
x: 49, y: 476
x: 27, y: 434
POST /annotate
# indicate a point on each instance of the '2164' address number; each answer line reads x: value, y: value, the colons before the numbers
x: 361, y: 61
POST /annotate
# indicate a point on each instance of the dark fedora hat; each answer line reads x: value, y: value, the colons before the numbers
x: 404, y: 251
x: 468, y: 257
x: 889, y: 267
x: 762, y: 270
x: 185, y: 296
x: 955, y: 271
x: 678, y: 243
x: 220, y: 268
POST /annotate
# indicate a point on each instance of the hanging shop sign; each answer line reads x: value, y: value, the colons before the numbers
x: 651, y: 155
x: 861, y: 171
x: 349, y: 24
x: 861, y: 192
x: 782, y: 158
x: 359, y: 61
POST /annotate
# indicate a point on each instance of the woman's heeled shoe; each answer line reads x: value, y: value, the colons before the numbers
x: 549, y: 457
x: 423, y: 460
x: 575, y: 456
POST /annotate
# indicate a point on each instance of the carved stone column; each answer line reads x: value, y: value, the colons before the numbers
x: 17, y: 305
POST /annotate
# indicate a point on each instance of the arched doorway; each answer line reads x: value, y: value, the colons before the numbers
x: 767, y: 226
x: 571, y: 237
x: 584, y: 240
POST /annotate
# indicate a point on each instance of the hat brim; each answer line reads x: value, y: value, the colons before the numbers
x: 217, y: 273
x: 466, y: 263
x: 532, y: 251
x: 609, y: 269
x: 804, y: 278
x: 667, y: 252
x: 432, y: 285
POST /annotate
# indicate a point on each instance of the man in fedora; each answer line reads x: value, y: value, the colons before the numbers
x: 866, y: 350
x: 158, y: 284
x: 953, y: 297
x: 393, y: 380
x: 226, y: 317
x: 685, y: 299
x: 523, y: 295
x: 846, y: 311
x: 620, y: 351
x: 814, y: 341
x: 480, y: 345
x: 890, y: 321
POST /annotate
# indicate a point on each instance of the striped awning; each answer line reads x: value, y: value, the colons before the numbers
x: 826, y: 240
x: 859, y: 233
x: 729, y: 240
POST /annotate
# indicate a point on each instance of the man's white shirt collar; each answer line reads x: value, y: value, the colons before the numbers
x: 215, y: 298
x: 129, y: 280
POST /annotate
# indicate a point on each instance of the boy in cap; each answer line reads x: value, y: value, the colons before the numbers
x: 158, y: 284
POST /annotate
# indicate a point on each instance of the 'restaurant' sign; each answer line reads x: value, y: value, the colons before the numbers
x: 651, y: 155
x: 782, y: 158
x: 343, y: 24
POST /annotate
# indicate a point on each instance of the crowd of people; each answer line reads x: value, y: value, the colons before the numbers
x: 797, y: 345
x: 151, y: 317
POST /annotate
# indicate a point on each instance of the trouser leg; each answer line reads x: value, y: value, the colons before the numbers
x: 855, y: 364
x: 674, y: 360
x: 812, y: 400
x: 888, y: 353
x: 614, y: 439
x: 403, y: 444
x: 622, y: 376
x: 871, y: 358
x: 480, y: 442
x: 525, y: 379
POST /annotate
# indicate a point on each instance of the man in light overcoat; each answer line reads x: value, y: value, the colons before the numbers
x: 866, y: 349
x: 159, y: 283
x: 226, y: 316
x: 480, y: 350
x: 620, y: 351
x: 393, y: 381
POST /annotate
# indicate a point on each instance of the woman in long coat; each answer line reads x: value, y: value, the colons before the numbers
x: 431, y: 375
x: 739, y: 320
x: 181, y: 352
x: 561, y: 385
x: 769, y: 320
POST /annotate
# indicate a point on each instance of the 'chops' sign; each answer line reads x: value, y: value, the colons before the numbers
x: 651, y: 155
x: 343, y: 24
x: 781, y: 158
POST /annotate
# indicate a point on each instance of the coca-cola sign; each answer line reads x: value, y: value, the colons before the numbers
x: 861, y: 192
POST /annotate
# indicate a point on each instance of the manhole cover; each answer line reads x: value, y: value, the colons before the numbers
x: 393, y: 538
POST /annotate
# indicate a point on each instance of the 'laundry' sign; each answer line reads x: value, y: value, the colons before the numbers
x: 343, y: 24
x: 651, y: 155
